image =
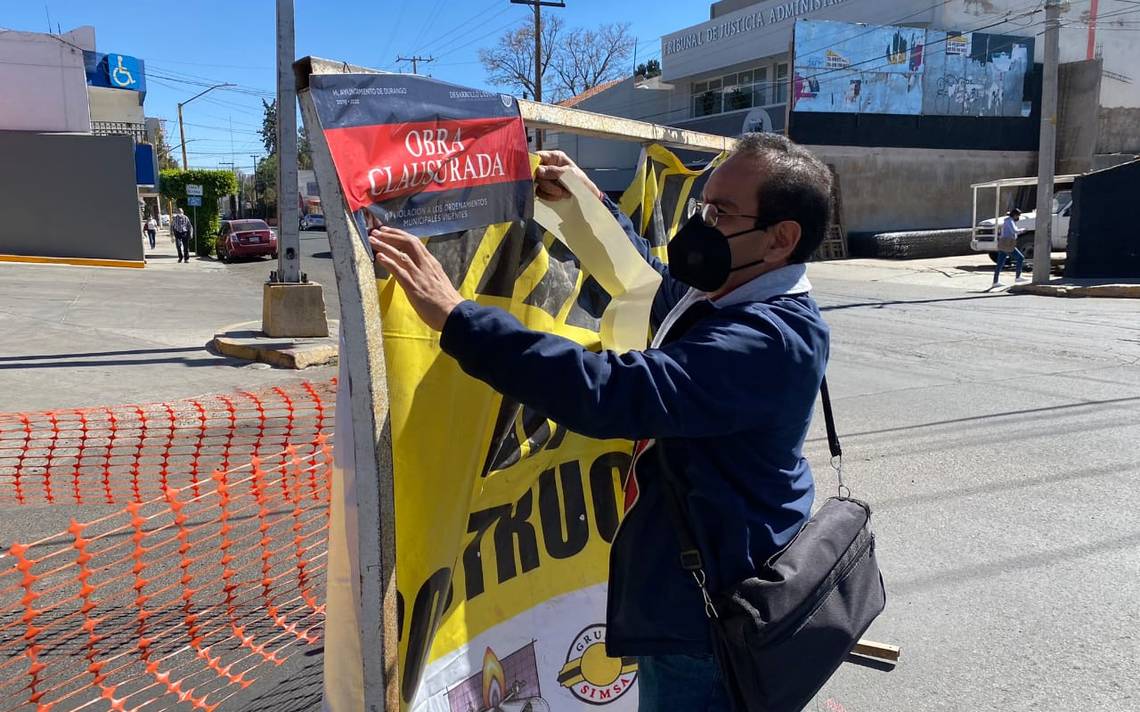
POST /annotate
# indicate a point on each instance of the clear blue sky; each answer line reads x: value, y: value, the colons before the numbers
x: 188, y: 42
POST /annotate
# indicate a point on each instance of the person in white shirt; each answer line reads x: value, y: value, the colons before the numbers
x: 151, y: 230
x: 1007, y: 246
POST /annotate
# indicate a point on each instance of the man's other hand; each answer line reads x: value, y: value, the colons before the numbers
x: 548, y: 176
x: 416, y: 270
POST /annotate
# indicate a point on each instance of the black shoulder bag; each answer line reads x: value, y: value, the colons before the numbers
x: 780, y: 635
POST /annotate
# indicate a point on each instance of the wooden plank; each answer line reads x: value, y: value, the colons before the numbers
x: 538, y: 115
x: 363, y: 354
x: 879, y: 651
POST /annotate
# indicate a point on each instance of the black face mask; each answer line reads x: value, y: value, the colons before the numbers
x: 700, y: 257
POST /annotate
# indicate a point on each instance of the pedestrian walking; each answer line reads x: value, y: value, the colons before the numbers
x: 181, y: 228
x: 1007, y: 246
x: 151, y: 230
x: 726, y: 393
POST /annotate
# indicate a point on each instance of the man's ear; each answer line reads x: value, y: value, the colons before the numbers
x: 785, y: 236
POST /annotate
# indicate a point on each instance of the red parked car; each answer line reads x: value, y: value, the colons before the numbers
x: 245, y: 238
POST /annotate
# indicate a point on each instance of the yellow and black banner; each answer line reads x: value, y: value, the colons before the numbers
x: 504, y: 518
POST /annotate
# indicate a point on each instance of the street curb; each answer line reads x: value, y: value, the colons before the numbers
x: 1121, y: 291
x: 237, y: 341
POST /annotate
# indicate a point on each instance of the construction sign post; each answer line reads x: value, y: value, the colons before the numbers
x: 469, y: 536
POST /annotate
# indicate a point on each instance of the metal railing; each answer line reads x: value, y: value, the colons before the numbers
x: 137, y: 131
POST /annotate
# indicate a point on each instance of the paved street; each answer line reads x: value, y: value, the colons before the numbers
x: 995, y: 436
x: 77, y: 336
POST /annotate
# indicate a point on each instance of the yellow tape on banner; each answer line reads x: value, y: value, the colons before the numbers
x: 587, y: 228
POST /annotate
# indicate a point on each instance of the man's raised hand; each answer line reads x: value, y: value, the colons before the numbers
x: 548, y: 176
x: 418, y: 272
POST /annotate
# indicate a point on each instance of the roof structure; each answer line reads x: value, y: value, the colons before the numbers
x: 593, y: 91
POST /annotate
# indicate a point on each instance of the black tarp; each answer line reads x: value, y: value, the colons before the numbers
x: 974, y: 133
x: 1104, y: 228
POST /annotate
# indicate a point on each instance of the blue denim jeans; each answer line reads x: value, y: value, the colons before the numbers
x: 1003, y: 256
x: 672, y: 683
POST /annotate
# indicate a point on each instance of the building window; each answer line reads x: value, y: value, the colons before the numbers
x: 740, y: 90
x: 707, y: 97
x: 760, y: 88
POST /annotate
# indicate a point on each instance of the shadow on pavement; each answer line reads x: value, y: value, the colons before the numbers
x: 129, y: 352
x: 904, y: 302
x: 1004, y: 414
x: 1004, y: 567
x: 97, y: 359
x: 300, y: 693
x: 1001, y: 487
x: 990, y: 268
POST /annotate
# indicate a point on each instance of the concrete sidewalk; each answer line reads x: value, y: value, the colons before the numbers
x: 165, y: 254
x: 1117, y: 289
x: 969, y: 273
x: 966, y: 273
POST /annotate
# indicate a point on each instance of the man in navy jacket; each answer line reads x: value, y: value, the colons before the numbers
x: 728, y: 388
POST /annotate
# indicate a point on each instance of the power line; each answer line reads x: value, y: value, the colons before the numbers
x: 205, y: 64
x: 465, y: 24
x: 236, y: 88
x: 456, y: 48
x: 394, y: 28
x: 209, y: 100
x: 429, y: 18
x: 223, y: 128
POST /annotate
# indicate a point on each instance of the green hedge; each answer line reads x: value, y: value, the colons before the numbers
x: 215, y: 185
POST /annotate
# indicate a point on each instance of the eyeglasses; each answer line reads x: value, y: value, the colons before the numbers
x: 711, y: 214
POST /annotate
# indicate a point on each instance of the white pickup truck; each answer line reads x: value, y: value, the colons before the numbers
x: 984, y: 238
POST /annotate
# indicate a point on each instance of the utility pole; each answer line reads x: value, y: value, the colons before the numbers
x: 291, y: 305
x: 1047, y: 148
x: 414, y: 60
x: 288, y: 237
x: 255, y: 158
x: 538, y: 5
x: 233, y: 169
x: 181, y: 130
x: 233, y: 164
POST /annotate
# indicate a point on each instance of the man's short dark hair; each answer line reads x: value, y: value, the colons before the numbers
x: 796, y: 186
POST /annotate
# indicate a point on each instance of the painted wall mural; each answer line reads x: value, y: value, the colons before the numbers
x: 976, y: 74
x: 850, y: 67
x: 855, y: 68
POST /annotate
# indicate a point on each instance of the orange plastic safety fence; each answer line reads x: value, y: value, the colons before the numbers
x: 133, y: 453
x: 202, y: 579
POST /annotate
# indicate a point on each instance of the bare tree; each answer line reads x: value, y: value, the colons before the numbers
x: 587, y: 58
x: 510, y: 63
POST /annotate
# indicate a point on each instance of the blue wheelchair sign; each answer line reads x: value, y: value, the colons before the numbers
x: 194, y: 201
x: 123, y: 71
